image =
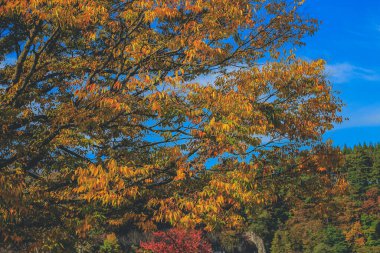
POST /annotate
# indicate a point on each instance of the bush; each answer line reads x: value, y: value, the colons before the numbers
x: 177, y: 240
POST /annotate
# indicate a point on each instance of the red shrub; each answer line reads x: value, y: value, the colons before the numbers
x: 177, y: 241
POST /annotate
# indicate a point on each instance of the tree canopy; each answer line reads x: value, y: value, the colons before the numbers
x: 106, y: 123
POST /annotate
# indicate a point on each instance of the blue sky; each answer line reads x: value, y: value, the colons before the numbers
x: 349, y: 40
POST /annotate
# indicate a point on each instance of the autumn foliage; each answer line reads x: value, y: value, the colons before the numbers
x: 177, y: 241
x: 106, y: 125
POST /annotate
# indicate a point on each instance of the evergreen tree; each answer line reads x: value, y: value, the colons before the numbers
x: 358, y: 167
x: 375, y: 173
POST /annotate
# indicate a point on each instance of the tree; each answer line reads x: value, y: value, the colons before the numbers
x: 358, y: 169
x: 105, y: 128
x: 375, y: 174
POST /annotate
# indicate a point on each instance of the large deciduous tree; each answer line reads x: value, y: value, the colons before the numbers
x: 107, y: 125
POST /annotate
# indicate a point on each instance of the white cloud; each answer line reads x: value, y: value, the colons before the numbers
x: 211, y: 77
x: 361, y: 117
x: 205, y: 79
x: 345, y: 72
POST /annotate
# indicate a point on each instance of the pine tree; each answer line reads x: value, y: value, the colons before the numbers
x: 375, y: 171
x: 358, y: 168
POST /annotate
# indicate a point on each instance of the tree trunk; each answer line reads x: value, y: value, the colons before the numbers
x: 255, y: 239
